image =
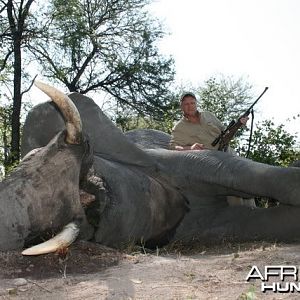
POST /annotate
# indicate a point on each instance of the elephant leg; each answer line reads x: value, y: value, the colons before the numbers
x: 239, y: 224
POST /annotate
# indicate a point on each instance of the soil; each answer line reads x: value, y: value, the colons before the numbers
x: 91, y: 271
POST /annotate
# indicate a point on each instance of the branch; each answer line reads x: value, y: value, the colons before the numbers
x: 123, y: 100
x: 5, y: 60
x: 4, y: 6
x: 10, y: 9
x: 25, y: 91
x: 84, y: 65
x: 24, y: 13
x: 55, y: 70
x: 102, y: 83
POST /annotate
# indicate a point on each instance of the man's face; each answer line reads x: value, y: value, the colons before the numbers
x: 189, y: 106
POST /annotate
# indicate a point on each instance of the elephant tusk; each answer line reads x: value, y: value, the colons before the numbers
x: 62, y: 240
x: 67, y: 108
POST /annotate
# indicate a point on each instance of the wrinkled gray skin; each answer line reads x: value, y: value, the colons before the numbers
x: 130, y: 203
x: 42, y: 194
x: 142, y: 191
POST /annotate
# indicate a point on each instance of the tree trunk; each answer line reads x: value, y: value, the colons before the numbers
x: 15, y: 120
x: 16, y: 16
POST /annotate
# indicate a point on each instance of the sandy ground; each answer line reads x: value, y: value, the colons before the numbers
x: 91, y: 271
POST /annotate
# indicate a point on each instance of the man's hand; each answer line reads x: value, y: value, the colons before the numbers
x: 195, y: 146
x: 179, y: 148
x: 244, y: 120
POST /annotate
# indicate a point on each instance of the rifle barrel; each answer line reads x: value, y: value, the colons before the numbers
x: 266, y: 88
x: 233, y: 126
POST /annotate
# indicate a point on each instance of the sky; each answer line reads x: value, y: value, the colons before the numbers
x: 258, y: 40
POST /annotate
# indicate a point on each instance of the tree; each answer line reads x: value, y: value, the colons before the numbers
x: 109, y: 46
x: 228, y: 99
x: 127, y: 120
x: 15, y: 30
x: 273, y: 145
x: 225, y: 97
x: 5, y: 113
x: 90, y: 46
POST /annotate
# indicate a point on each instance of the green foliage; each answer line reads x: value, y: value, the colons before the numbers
x: 110, y: 46
x: 225, y: 97
x: 15, y: 32
x: 87, y: 45
x: 6, y: 165
x: 5, y: 129
x: 229, y: 99
x: 273, y: 145
x: 106, y: 45
x: 128, y: 120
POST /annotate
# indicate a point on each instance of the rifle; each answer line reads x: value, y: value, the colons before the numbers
x: 226, y: 135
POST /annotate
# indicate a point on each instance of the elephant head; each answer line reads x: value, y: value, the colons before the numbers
x: 129, y: 204
x: 140, y: 190
x: 42, y: 194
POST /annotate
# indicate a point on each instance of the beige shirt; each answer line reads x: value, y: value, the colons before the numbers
x: 186, y: 133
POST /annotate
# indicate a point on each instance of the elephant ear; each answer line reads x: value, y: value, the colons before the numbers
x: 108, y: 141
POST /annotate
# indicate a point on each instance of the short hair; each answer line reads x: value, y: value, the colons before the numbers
x: 186, y: 94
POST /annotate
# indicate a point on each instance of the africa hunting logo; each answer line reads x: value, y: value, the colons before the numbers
x: 276, y: 279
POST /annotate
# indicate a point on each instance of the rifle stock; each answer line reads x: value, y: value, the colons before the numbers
x: 227, y: 135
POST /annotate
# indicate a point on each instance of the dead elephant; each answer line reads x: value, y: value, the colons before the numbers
x: 139, y: 191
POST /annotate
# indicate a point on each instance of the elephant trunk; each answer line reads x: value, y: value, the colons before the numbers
x: 218, y: 173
